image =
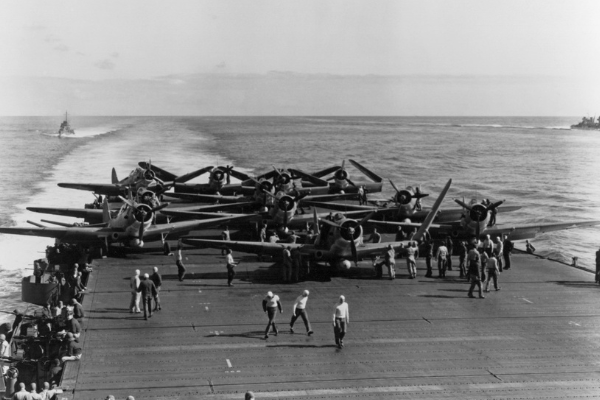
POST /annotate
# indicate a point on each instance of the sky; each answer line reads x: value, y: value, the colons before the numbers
x: 474, y: 48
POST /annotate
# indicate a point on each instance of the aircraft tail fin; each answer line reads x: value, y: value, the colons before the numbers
x: 373, y: 176
x: 105, y: 212
x: 432, y: 214
x: 114, y: 176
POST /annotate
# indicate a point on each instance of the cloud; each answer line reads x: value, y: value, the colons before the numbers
x: 221, y: 65
x: 61, y: 47
x: 80, y: 53
x: 115, y: 55
x: 105, y: 64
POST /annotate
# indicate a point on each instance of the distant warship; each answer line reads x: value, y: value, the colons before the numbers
x: 588, y: 123
x: 65, y: 128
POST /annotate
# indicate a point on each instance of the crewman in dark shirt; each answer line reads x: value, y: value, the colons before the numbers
x: 149, y: 292
x: 157, y: 280
x: 73, y: 349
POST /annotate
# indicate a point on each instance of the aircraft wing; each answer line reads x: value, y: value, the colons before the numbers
x: 342, y: 206
x: 187, y: 226
x: 530, y: 231
x: 207, y: 208
x: 159, y: 172
x: 312, y: 179
x: 89, y: 214
x: 244, y: 247
x: 107, y: 189
x: 373, y: 176
x: 369, y: 249
x: 75, y: 234
x: 207, y: 198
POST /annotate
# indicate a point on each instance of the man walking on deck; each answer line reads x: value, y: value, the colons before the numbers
x: 341, y: 320
x: 299, y: 310
x: 411, y: 262
x: 134, y: 282
x: 230, y: 265
x: 148, y: 291
x: 157, y: 280
x: 442, y: 259
x: 507, y: 249
x: 179, y: 261
x: 270, y: 305
x: 498, y: 252
x: 474, y: 272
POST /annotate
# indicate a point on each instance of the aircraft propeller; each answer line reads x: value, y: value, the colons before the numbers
x: 227, y: 171
x: 342, y: 175
x: 351, y: 230
x: 479, y: 212
x: 404, y: 196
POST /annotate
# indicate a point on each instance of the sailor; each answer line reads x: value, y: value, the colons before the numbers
x: 299, y: 310
x: 399, y: 235
x: 134, y: 304
x: 73, y: 350
x: 493, y: 272
x: 157, y: 280
x: 450, y: 247
x: 287, y: 264
x: 22, y: 394
x: 73, y: 326
x: 389, y: 262
x: 361, y: 195
x: 474, y: 274
x: 148, y: 291
x: 428, y: 257
x: 411, y: 263
x: 179, y: 262
x: 230, y: 265
x: 225, y: 236
x: 270, y: 305
x: 488, y: 245
x: 34, y: 395
x: 462, y: 255
x: 4, y: 353
x: 375, y: 236
x: 529, y: 247
x: 341, y: 320
x: 484, y: 262
x: 498, y: 252
x: 442, y: 258
x: 507, y: 249
x: 263, y: 233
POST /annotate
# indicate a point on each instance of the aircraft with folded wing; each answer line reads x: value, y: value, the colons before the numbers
x: 338, y: 241
x: 407, y: 208
x: 140, y: 178
x: 476, y: 222
x: 132, y: 226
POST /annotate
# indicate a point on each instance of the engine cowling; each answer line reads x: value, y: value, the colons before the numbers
x: 478, y: 213
x: 350, y: 230
x: 218, y: 175
x: 341, y: 175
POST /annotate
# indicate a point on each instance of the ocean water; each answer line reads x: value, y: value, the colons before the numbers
x: 535, y: 162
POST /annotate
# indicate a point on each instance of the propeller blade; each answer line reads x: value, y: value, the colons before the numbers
x: 354, y: 252
x: 462, y: 204
x: 285, y: 218
x: 160, y: 207
x: 331, y: 223
x: 495, y: 205
x: 394, y: 186
x: 350, y: 182
x: 141, y: 232
x: 366, y: 218
x: 343, y: 163
x: 315, y: 221
x: 276, y: 170
x: 128, y: 202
